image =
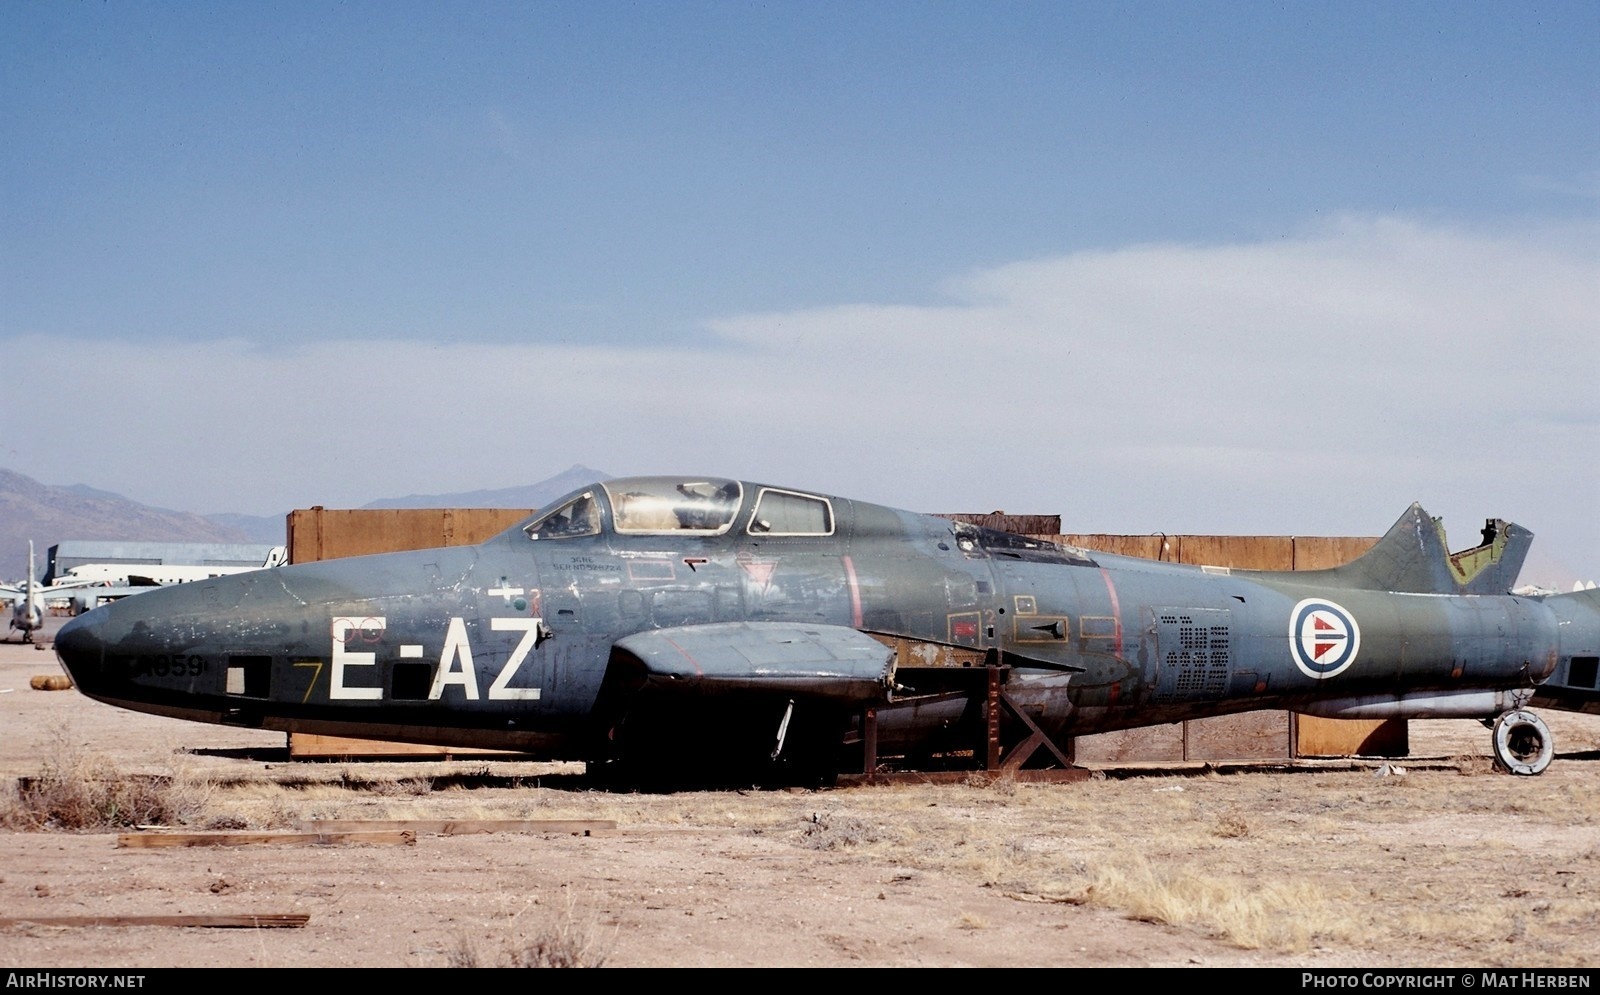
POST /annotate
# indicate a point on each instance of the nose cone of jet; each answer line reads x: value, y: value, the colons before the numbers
x: 157, y: 649
x: 81, y: 649
x: 103, y: 649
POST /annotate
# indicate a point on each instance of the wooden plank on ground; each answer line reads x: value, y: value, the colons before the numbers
x: 461, y: 827
x: 304, y: 745
x: 1054, y: 775
x: 145, y: 841
x: 247, y: 921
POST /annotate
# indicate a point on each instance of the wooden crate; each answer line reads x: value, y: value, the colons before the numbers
x: 328, y: 533
x: 1319, y: 737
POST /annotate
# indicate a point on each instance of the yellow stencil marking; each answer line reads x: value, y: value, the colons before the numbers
x: 310, y: 663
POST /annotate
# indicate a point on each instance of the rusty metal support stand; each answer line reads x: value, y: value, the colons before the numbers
x: 869, y: 741
x: 994, y: 700
x: 989, y: 755
x: 991, y: 719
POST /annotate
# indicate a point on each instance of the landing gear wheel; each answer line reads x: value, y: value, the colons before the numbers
x: 1522, y: 743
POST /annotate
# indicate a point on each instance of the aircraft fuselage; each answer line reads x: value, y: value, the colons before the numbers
x: 558, y: 636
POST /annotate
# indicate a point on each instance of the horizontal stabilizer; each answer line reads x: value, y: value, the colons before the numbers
x: 827, y: 661
x: 1412, y: 558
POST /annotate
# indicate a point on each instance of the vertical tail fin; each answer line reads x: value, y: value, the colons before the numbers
x: 1412, y: 558
x: 1493, y: 567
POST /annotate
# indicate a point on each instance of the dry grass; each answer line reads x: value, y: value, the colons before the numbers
x: 826, y: 831
x: 563, y: 940
x: 1276, y: 915
x: 1277, y: 862
x: 1481, y: 869
x: 78, y: 791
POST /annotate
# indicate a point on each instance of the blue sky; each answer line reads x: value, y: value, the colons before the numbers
x: 1188, y: 267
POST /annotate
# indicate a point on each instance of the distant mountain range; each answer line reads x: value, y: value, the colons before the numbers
x: 531, y: 496
x: 48, y: 515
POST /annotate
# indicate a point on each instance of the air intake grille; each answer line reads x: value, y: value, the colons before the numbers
x: 1195, y: 654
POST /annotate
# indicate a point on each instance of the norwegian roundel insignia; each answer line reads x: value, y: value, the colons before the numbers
x: 1323, y: 637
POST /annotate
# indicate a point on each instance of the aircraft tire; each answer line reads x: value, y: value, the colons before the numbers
x: 1522, y: 743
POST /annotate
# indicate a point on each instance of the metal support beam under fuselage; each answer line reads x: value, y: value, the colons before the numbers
x: 990, y: 752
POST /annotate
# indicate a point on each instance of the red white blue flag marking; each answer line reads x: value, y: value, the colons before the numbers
x: 1323, y: 637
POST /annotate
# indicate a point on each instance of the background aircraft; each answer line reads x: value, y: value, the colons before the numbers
x: 138, y: 575
x: 89, y: 585
x: 31, y: 600
x: 685, y: 628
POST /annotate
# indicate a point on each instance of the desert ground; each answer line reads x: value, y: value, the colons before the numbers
x: 1433, y: 860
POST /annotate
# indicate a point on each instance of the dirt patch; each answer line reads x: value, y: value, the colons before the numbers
x: 1425, y: 861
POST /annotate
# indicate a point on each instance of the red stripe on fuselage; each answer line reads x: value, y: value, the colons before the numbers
x: 855, y: 592
x: 1116, y: 609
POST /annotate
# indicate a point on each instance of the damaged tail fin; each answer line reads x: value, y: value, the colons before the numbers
x: 1412, y: 558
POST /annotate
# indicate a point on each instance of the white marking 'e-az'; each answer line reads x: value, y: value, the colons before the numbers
x: 455, y: 663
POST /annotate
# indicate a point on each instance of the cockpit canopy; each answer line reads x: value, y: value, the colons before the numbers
x: 678, y: 505
x: 673, y: 504
x: 684, y: 506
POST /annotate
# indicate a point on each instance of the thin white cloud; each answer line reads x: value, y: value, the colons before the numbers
x: 1314, y: 385
x: 503, y: 136
x: 1585, y: 186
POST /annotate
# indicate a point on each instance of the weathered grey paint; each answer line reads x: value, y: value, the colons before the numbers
x: 551, y: 640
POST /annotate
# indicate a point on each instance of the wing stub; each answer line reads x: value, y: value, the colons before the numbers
x: 826, y: 661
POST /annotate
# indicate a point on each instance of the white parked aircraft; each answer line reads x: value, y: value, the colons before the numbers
x: 30, y: 599
x: 90, y: 585
x: 159, y: 574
